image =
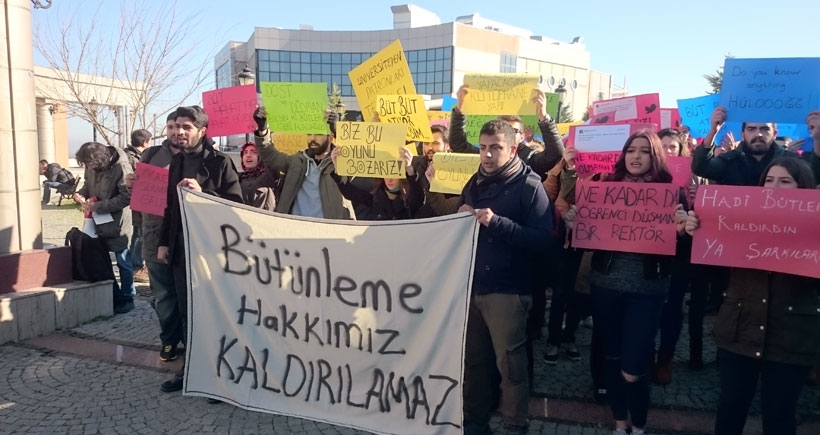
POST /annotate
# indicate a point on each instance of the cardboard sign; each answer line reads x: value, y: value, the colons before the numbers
x: 290, y: 143
x: 370, y: 149
x: 563, y: 127
x: 602, y: 162
x: 447, y: 103
x: 509, y: 94
x: 230, y: 110
x: 645, y: 109
x: 758, y: 228
x: 384, y: 73
x: 670, y: 118
x: 150, y: 191
x: 695, y: 113
x: 288, y: 318
x: 453, y: 170
x: 681, y: 169
x: 473, y: 124
x: 626, y: 217
x: 599, y: 146
x: 770, y: 90
x: 296, y: 107
x: 437, y: 117
x: 408, y: 110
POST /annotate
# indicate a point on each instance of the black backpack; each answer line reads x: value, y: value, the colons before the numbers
x: 90, y: 260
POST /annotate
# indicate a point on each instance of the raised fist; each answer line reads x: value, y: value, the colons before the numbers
x: 260, y: 117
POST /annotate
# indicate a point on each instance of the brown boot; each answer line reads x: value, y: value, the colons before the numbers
x: 141, y: 275
x: 663, y: 374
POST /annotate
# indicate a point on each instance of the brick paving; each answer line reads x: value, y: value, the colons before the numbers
x: 52, y: 392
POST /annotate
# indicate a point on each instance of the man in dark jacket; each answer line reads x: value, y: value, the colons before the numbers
x: 201, y: 168
x: 540, y: 161
x: 140, y: 140
x: 106, y: 196
x: 744, y: 165
x: 56, y: 178
x: 510, y: 203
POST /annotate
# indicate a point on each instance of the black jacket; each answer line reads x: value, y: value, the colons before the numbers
x: 736, y: 167
x: 217, y: 176
x: 377, y: 206
x: 540, y: 162
x: 55, y: 173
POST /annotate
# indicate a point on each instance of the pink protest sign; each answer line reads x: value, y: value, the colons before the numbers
x: 626, y: 217
x: 681, y: 169
x: 645, y: 108
x: 758, y: 228
x: 596, y: 163
x: 150, y: 192
x: 670, y: 118
x: 230, y: 110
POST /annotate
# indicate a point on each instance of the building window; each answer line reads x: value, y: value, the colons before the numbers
x: 223, y: 76
x: 509, y: 62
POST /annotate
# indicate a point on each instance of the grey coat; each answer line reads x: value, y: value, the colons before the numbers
x: 108, y: 186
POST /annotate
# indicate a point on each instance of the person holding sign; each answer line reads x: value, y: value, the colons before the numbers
x: 258, y: 183
x: 391, y: 199
x: 509, y: 202
x: 540, y: 162
x: 767, y: 330
x: 629, y: 289
x: 308, y: 188
x: 201, y: 168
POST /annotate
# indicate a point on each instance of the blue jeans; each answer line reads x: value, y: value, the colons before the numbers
x: 629, y: 322
x: 780, y: 386
x: 136, y: 248
x: 125, y: 291
x: 47, y: 186
x: 163, y: 288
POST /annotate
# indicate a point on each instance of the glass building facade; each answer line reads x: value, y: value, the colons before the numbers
x: 223, y: 76
x: 432, y: 68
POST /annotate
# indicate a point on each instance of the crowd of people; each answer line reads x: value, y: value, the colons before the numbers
x: 767, y: 327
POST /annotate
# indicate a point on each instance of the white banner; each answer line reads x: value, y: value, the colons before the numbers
x: 350, y: 323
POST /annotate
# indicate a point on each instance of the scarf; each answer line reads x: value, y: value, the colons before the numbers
x: 645, y: 178
x: 252, y: 173
x: 512, y: 167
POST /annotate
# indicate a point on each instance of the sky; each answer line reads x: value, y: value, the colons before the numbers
x: 654, y: 46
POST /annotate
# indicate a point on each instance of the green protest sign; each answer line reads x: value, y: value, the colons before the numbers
x: 295, y: 107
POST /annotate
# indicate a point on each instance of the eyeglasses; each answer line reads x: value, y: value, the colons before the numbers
x: 517, y: 130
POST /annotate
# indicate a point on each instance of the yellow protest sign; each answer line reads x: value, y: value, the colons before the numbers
x: 453, y: 170
x: 563, y: 127
x: 370, y: 149
x: 385, y: 73
x: 438, y: 117
x: 491, y: 94
x: 409, y: 110
x: 290, y: 143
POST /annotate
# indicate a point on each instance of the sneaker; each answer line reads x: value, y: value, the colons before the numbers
x: 551, y: 355
x: 124, y: 307
x: 571, y: 351
x: 636, y: 431
x: 168, y: 352
x: 141, y: 275
x: 174, y: 384
x: 620, y: 431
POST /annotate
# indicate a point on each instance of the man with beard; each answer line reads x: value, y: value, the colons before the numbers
x: 161, y: 275
x: 309, y: 188
x: 201, y: 168
x: 744, y: 165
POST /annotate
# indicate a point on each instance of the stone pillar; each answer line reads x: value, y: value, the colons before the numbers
x: 20, y: 219
x: 45, y: 132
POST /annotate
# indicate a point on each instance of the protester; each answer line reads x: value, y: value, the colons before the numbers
x: 259, y: 184
x: 106, y: 195
x: 509, y: 202
x: 308, y: 188
x: 806, y: 145
x: 161, y: 274
x: 140, y: 140
x: 767, y: 330
x: 201, y: 168
x: 391, y: 199
x: 56, y: 178
x: 682, y: 272
x: 628, y: 291
x: 435, y: 203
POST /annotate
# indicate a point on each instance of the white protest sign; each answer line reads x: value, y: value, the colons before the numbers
x: 594, y: 138
x: 328, y: 320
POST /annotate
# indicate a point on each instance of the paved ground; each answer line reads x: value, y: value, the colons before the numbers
x: 66, y: 384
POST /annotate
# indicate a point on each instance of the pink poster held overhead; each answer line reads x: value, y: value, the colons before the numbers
x: 599, y: 146
x: 670, y: 118
x: 681, y: 169
x: 758, y: 228
x: 626, y: 217
x: 150, y: 192
x: 645, y: 108
x: 230, y: 110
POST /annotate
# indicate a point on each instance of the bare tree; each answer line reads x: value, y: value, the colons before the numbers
x: 134, y: 71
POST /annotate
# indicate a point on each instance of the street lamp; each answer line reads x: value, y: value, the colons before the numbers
x: 562, y: 96
x: 94, y: 106
x: 246, y: 77
x: 340, y: 110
